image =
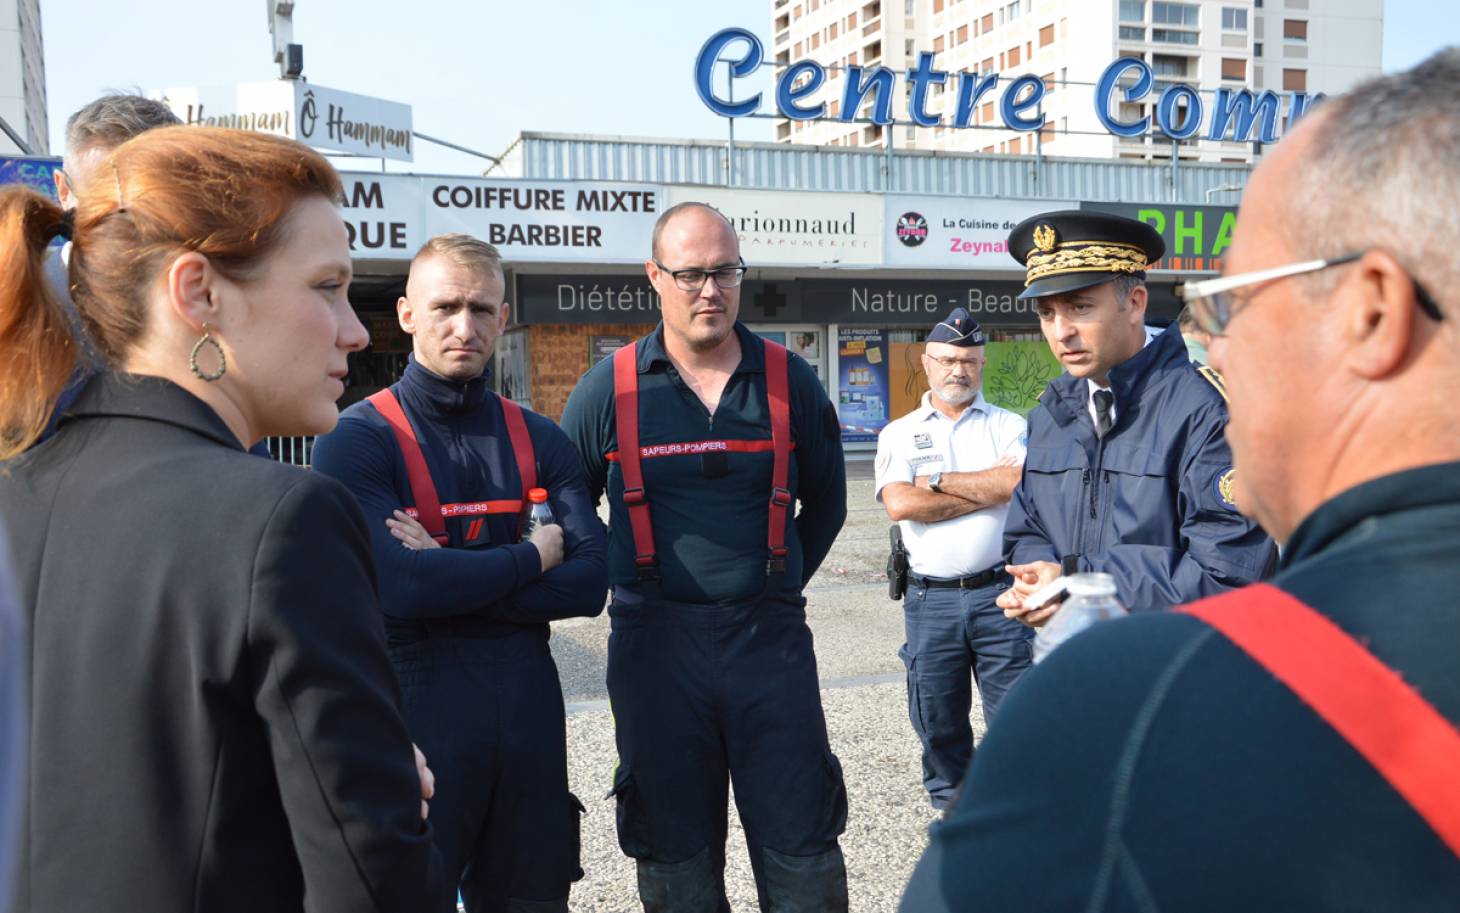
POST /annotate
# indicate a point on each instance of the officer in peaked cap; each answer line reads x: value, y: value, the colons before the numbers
x: 1128, y: 472
x: 945, y: 472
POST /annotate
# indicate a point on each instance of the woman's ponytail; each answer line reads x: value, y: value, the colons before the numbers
x: 37, y: 350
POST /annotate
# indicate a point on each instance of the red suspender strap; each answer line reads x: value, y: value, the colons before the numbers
x: 778, y: 397
x: 626, y: 417
x: 1395, y: 729
x: 522, y: 449
x: 428, y: 504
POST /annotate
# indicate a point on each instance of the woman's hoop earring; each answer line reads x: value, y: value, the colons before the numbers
x: 193, y: 358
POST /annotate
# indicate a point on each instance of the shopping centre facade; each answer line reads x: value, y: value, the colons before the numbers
x: 853, y: 254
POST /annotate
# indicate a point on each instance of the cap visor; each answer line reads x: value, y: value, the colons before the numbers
x: 1070, y: 282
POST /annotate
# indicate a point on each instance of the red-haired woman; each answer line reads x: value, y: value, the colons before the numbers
x: 214, y: 722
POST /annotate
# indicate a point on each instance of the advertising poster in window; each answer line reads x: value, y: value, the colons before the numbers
x: 601, y: 347
x: 863, y: 401
x: 1017, y: 372
x: 513, y: 378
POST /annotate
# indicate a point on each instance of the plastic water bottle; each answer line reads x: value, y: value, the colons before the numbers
x: 538, y: 512
x: 1091, y: 599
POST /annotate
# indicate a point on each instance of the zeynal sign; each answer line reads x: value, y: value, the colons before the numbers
x: 1180, y: 108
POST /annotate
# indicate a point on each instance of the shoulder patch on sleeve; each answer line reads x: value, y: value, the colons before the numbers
x: 1215, y: 379
x: 1225, y: 490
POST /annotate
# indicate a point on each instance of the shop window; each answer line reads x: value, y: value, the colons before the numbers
x: 513, y: 374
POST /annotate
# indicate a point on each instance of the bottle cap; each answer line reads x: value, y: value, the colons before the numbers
x: 537, y: 495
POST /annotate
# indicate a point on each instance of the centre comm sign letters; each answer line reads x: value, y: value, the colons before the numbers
x: 1180, y: 108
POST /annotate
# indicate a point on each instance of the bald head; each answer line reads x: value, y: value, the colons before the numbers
x: 696, y: 218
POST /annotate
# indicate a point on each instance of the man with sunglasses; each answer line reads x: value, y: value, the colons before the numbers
x: 1128, y: 473
x: 945, y: 472
x: 1292, y: 745
x: 704, y: 438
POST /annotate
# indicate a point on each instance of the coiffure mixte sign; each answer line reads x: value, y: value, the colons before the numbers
x: 1180, y: 109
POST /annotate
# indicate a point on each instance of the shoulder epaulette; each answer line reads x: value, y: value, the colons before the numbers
x: 1214, y: 378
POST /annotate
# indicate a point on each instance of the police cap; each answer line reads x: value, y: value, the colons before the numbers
x: 1074, y: 249
x: 958, y: 329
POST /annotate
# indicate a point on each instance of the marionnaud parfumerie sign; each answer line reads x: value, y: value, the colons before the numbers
x: 1179, y: 109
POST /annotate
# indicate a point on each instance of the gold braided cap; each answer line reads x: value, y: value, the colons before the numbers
x: 1085, y: 257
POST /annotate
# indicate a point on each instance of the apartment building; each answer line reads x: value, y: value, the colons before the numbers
x: 1287, y: 46
x: 22, y: 76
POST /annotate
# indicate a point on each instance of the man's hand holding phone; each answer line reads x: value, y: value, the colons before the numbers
x: 1035, y: 595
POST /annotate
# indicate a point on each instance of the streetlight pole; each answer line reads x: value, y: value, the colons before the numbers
x: 1225, y: 188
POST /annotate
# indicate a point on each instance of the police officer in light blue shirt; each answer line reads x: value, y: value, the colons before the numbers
x: 945, y: 472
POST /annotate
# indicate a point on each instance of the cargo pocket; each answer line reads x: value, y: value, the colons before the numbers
x: 629, y: 816
x: 577, y: 810
x: 914, y: 693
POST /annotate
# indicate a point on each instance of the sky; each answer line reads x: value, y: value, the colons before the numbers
x: 476, y: 72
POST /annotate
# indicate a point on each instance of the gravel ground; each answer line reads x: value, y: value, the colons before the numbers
x: 857, y: 631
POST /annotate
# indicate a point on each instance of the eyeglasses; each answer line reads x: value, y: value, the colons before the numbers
x: 1213, y: 303
x: 692, y: 280
x: 948, y: 364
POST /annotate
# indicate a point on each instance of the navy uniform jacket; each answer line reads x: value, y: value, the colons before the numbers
x: 1150, y: 504
x: 485, y: 572
x: 1151, y: 764
x: 711, y: 511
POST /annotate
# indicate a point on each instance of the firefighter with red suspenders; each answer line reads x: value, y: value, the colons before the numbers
x: 441, y: 466
x: 1294, y: 745
x: 705, y: 438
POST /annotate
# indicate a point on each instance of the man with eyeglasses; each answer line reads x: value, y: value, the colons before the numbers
x: 1292, y: 745
x: 1128, y: 473
x: 945, y: 472
x: 704, y: 438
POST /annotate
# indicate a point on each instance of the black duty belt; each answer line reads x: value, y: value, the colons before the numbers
x: 976, y: 582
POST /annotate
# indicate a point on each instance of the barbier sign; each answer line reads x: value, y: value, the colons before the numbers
x: 324, y: 118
